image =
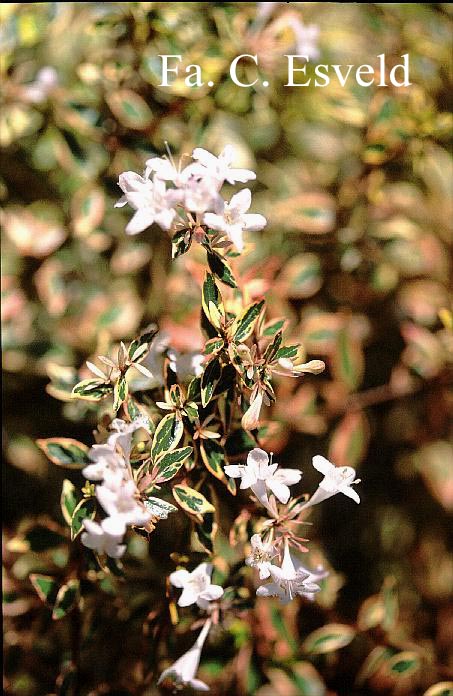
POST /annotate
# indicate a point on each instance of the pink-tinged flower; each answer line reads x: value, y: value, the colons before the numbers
x: 337, y: 479
x: 219, y: 168
x: 98, y: 538
x: 261, y: 476
x: 183, y: 671
x: 290, y: 580
x: 251, y: 418
x: 120, y: 500
x: 104, y: 458
x: 196, y: 586
x: 232, y: 218
x: 261, y: 556
x: 122, y: 433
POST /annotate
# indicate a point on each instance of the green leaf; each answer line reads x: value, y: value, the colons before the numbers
x: 328, y: 639
x: 301, y: 276
x: 273, y: 347
x: 64, y: 451
x: 375, y: 660
x: 85, y: 509
x: 176, y: 395
x: 347, y: 360
x: 212, y: 301
x: 159, y: 508
x: 67, y: 598
x: 46, y: 588
x: 287, y: 352
x: 220, y: 268
x: 181, y: 242
x: 120, y: 392
x: 92, y: 390
x: 273, y: 326
x: 129, y: 108
x: 214, y: 345
x: 404, y: 663
x: 167, y: 436
x: 168, y: 464
x: 206, y: 531
x: 244, y: 324
x: 68, y: 500
x: 142, y: 343
x: 213, y: 456
x: 194, y: 389
x: 209, y: 380
x: 191, y: 500
x: 440, y: 689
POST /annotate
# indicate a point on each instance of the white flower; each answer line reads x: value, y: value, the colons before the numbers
x: 183, y: 671
x: 119, y: 498
x: 104, y: 458
x: 219, y: 168
x: 123, y: 432
x: 288, y: 581
x: 286, y: 366
x: 337, y: 479
x: 197, y: 187
x: 164, y: 169
x: 200, y: 189
x: 97, y: 537
x: 196, y: 586
x: 259, y: 475
x: 232, y: 218
x: 150, y: 199
x: 261, y: 556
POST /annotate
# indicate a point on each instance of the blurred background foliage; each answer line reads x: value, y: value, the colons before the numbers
x: 357, y: 186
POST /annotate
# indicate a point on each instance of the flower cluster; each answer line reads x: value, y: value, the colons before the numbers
x: 117, y: 493
x: 193, y: 198
x: 270, y: 554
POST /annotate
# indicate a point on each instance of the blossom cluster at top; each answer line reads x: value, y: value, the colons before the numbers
x: 176, y: 198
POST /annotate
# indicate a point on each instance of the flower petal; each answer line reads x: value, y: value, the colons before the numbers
x: 270, y: 590
x: 188, y: 597
x: 323, y: 465
x: 240, y: 202
x: 279, y: 489
x: 180, y: 577
x: 350, y: 492
x: 212, y: 592
x: 253, y: 222
x: 198, y: 685
x: 233, y: 470
x: 140, y: 221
